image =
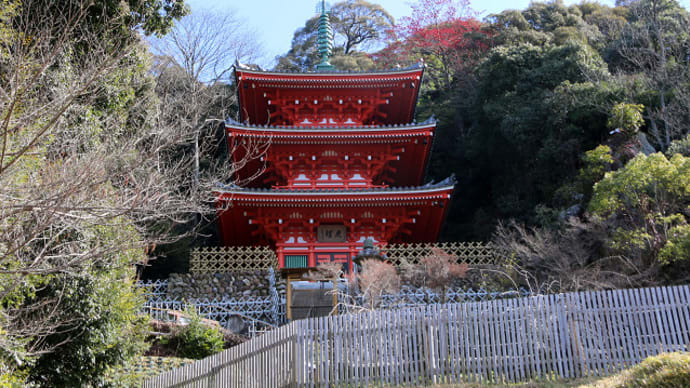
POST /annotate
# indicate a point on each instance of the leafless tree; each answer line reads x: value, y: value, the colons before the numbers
x: 194, y: 62
x: 571, y: 259
x: 78, y: 192
x: 656, y: 44
x: 377, y: 277
x: 438, y: 271
x: 206, y: 43
x: 194, y: 112
x: 329, y: 271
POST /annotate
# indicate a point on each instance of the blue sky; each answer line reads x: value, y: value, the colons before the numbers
x: 276, y: 20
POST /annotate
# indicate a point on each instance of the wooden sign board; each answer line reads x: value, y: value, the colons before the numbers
x: 332, y: 233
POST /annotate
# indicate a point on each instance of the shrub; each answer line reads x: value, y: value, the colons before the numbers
x: 646, y: 200
x: 666, y: 370
x: 572, y: 258
x: 377, y: 277
x: 97, y: 328
x: 671, y: 370
x: 197, y: 340
x: 677, y: 246
x: 627, y: 118
x: 10, y: 379
x: 680, y: 146
x: 437, y: 271
x: 325, y: 271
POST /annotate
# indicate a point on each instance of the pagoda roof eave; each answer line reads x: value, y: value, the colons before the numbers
x: 239, y: 67
x: 431, y: 188
x: 253, y: 86
x: 344, y: 130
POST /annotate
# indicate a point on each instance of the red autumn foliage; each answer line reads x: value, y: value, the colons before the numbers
x: 443, y: 32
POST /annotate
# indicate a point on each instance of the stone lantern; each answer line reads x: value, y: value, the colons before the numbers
x: 369, y: 251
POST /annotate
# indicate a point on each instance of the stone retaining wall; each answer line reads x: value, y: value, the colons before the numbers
x: 219, y: 285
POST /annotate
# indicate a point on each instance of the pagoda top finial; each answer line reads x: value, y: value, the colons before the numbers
x: 325, y: 38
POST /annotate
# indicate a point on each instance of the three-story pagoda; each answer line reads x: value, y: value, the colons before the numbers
x: 345, y: 162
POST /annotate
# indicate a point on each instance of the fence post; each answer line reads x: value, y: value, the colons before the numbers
x: 212, y: 377
x: 564, y: 333
x: 295, y: 331
x: 575, y: 317
x: 432, y: 360
x: 293, y: 360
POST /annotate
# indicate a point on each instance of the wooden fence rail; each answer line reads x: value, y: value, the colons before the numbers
x: 510, y: 340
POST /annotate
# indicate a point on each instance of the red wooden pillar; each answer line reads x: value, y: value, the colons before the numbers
x: 353, y: 253
x: 281, y: 256
x: 312, y: 255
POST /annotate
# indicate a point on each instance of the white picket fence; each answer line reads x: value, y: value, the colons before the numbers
x: 539, y: 337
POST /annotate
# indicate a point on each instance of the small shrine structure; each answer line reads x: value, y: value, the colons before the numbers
x: 345, y: 161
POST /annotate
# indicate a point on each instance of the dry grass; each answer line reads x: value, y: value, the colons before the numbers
x: 534, y: 384
x: 671, y: 370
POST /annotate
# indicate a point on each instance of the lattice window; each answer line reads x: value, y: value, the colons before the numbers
x: 472, y: 253
x: 231, y: 259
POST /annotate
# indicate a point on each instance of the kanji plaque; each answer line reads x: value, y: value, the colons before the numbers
x: 332, y: 233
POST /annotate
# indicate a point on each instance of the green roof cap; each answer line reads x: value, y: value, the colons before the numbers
x: 325, y: 39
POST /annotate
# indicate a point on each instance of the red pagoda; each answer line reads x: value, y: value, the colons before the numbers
x: 345, y: 162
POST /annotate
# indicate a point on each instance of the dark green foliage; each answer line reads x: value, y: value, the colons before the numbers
x: 596, y: 163
x: 544, y: 23
x: 97, y: 330
x: 637, y: 232
x: 515, y: 128
x: 532, y: 118
x: 151, y: 16
x: 197, y: 340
